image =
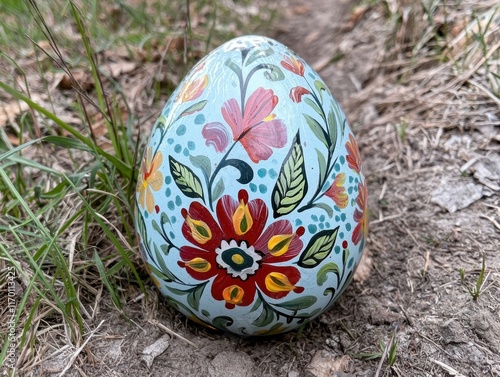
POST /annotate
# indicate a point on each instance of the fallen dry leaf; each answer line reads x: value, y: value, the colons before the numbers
x: 118, y: 68
x: 10, y: 111
x: 176, y: 44
x: 63, y: 81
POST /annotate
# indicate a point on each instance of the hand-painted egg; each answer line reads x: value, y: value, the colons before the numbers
x: 252, y: 207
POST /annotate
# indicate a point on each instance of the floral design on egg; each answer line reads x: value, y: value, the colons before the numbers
x: 251, y: 202
x: 239, y: 251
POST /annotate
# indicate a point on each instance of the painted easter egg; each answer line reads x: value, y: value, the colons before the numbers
x: 251, y: 203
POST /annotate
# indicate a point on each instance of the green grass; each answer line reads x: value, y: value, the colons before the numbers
x: 475, y: 290
x: 66, y: 202
x: 390, y: 353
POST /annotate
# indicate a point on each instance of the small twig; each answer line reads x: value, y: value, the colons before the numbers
x: 495, y: 223
x: 492, y: 206
x: 449, y: 369
x: 171, y: 332
x: 468, y: 164
x: 485, y: 91
x: 427, y: 261
x: 408, y: 318
x: 391, y: 217
x: 382, y: 192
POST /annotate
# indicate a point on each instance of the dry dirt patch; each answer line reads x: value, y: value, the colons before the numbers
x: 424, y: 128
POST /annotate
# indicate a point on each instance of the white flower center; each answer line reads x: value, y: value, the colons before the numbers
x: 239, y: 260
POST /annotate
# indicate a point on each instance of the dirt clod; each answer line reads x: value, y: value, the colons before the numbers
x: 487, y: 327
x: 229, y: 363
x: 325, y: 364
x: 454, y: 194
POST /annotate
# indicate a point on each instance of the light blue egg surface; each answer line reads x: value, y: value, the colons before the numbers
x: 251, y: 203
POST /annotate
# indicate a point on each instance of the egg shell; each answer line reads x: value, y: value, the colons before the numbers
x: 251, y: 202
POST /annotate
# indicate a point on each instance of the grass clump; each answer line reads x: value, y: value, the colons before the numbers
x: 80, y: 83
x: 476, y: 289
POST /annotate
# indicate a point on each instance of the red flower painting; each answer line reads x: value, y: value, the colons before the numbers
x: 297, y: 92
x: 337, y: 193
x: 353, y: 157
x: 361, y: 215
x: 293, y: 65
x: 239, y: 252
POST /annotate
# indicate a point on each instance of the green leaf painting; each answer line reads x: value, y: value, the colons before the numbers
x: 222, y: 322
x: 299, y: 303
x: 319, y: 247
x: 163, y: 274
x: 194, y: 108
x: 345, y: 256
x: 314, y: 106
x: 273, y: 73
x: 322, y: 277
x: 257, y: 54
x: 291, y: 186
x: 203, y: 163
x: 321, y: 165
x: 320, y: 86
x: 185, y: 179
x: 266, y: 317
x: 218, y: 189
x: 317, y: 130
x: 332, y: 128
x: 161, y: 262
x: 328, y: 209
x: 233, y: 66
x: 194, y: 296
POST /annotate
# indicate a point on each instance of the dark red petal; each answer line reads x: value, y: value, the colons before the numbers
x: 298, y: 289
x: 198, y: 212
x: 243, y: 196
x: 292, y: 273
x: 226, y: 207
x: 188, y: 253
x: 277, y: 228
x: 259, y: 213
x: 357, y: 234
x: 223, y: 280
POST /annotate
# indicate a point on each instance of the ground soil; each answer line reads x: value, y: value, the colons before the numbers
x: 409, y: 287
